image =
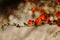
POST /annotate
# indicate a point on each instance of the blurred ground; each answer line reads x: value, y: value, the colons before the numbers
x: 45, y: 32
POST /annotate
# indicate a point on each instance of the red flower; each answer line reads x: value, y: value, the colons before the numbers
x: 37, y: 20
x: 42, y: 17
x: 47, y: 18
x: 58, y: 14
x: 30, y: 22
x: 42, y: 10
x: 37, y: 8
x: 32, y: 9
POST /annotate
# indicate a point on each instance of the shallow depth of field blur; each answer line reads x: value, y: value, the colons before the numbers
x: 29, y: 19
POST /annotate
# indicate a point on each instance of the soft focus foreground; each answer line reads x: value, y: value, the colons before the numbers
x: 45, y: 32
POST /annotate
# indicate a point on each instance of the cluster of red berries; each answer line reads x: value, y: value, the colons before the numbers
x: 44, y: 18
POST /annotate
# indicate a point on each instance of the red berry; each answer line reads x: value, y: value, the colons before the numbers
x: 47, y: 18
x: 59, y: 0
x: 26, y: 0
x: 58, y: 24
x: 37, y: 20
x: 56, y: 1
x: 32, y: 0
x: 42, y: 17
x: 42, y: 10
x: 30, y: 22
x: 58, y: 14
x: 32, y: 9
x: 37, y: 8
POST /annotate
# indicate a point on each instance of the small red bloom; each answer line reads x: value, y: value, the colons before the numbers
x: 42, y: 17
x: 42, y: 10
x: 30, y: 22
x: 37, y: 20
x: 37, y: 8
x: 58, y: 14
x: 32, y: 9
